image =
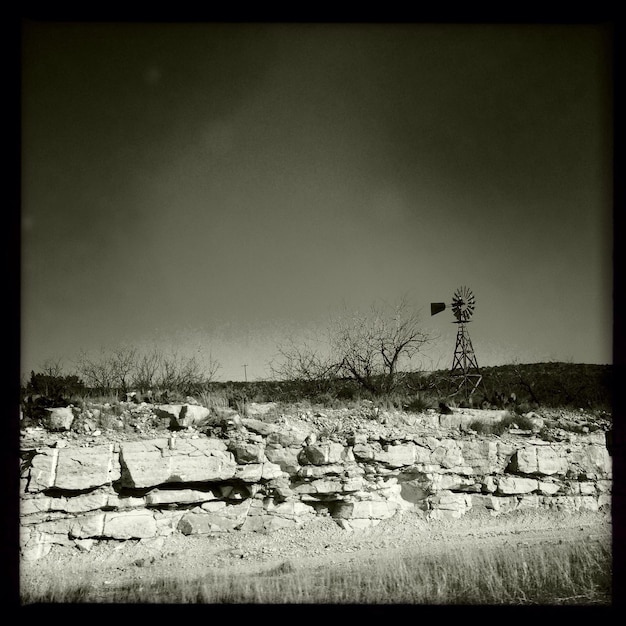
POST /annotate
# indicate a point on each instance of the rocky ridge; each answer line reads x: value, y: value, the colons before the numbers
x: 183, y: 472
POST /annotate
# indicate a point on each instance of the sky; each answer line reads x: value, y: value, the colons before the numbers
x: 214, y: 188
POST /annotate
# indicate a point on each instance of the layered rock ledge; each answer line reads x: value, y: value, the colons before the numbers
x: 264, y: 477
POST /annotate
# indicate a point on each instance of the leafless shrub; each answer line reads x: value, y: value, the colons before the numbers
x: 368, y: 347
x: 147, y: 369
x: 97, y: 371
x: 53, y: 368
x: 372, y: 346
x: 125, y: 368
x: 184, y: 374
x: 123, y: 365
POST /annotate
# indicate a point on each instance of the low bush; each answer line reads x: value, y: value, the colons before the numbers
x: 419, y: 402
x: 501, y: 426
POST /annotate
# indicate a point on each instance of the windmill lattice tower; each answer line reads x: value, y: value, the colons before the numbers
x: 464, y: 373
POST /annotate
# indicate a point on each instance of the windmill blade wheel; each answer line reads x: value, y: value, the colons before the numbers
x: 463, y: 304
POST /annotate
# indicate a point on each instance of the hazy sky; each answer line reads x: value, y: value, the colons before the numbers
x: 214, y: 187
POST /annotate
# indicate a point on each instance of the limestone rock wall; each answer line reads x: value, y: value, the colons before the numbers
x: 261, y: 479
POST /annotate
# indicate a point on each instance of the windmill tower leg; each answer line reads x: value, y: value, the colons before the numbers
x: 464, y: 373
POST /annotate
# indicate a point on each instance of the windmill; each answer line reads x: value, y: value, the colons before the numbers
x: 464, y: 373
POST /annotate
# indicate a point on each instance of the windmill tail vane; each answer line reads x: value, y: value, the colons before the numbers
x: 465, y: 373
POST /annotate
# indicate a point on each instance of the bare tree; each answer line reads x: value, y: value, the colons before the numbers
x: 147, y: 370
x: 211, y: 367
x: 52, y: 368
x: 123, y: 367
x: 98, y: 372
x: 371, y: 347
x: 109, y: 370
x: 52, y: 371
x: 185, y: 373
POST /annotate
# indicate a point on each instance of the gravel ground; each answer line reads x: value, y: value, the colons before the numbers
x: 321, y: 542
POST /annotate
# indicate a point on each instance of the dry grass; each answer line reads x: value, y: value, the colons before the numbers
x: 578, y: 574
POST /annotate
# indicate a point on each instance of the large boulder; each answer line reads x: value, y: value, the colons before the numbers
x: 129, y: 525
x: 152, y: 463
x: 508, y: 485
x: 415, y: 488
x: 193, y: 415
x: 447, y: 454
x: 540, y: 460
x: 589, y: 460
x: 169, y: 412
x: 280, y: 489
x: 453, y: 482
x: 364, y: 451
x: 548, y: 488
x: 289, y: 435
x: 183, y: 415
x: 36, y: 548
x: 505, y: 451
x: 249, y: 473
x: 58, y: 418
x: 259, y: 427
x: 286, y: 458
x: 86, y: 468
x: 87, y: 526
x: 42, y: 470
x: 245, y: 453
x: 481, y: 456
x: 396, y: 456
x: 271, y: 471
x: 36, y: 504
x: 322, y: 454
x: 448, y: 500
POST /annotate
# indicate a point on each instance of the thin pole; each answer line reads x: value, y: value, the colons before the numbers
x: 245, y: 371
